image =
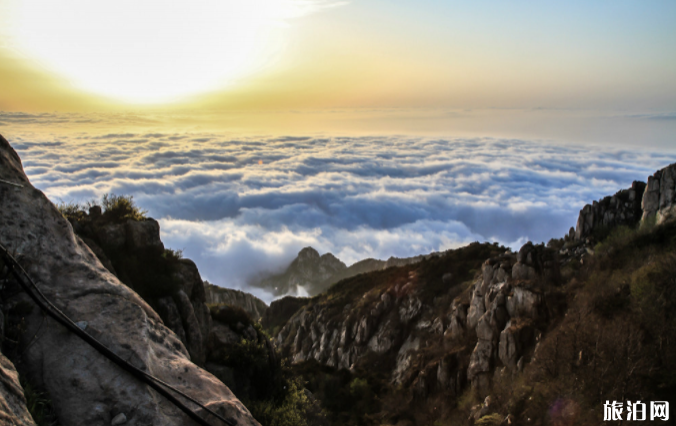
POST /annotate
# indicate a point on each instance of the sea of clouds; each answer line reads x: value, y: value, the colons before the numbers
x: 242, y: 206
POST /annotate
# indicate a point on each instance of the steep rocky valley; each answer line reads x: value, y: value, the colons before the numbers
x: 475, y: 335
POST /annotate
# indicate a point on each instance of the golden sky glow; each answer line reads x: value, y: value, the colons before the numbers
x: 150, y: 51
x: 284, y: 54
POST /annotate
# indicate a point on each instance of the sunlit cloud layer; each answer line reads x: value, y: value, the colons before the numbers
x: 241, y: 206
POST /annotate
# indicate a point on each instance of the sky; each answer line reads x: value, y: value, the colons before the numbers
x: 367, y: 128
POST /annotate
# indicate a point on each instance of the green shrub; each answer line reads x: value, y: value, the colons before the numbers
x: 121, y: 207
x: 71, y: 210
x: 172, y: 254
x: 292, y: 411
x: 39, y: 405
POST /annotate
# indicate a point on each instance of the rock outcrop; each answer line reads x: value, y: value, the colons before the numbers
x: 659, y: 198
x: 216, y: 295
x: 84, y: 387
x: 311, y: 274
x: 131, y: 249
x: 497, y: 319
x: 307, y: 274
x: 623, y: 208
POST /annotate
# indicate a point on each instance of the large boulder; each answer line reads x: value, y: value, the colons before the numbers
x: 85, y: 388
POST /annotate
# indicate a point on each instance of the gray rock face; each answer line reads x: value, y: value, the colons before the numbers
x: 85, y: 388
x: 194, y: 312
x: 503, y: 308
x: 404, y: 357
x: 659, y: 199
x: 113, y: 236
x: 168, y: 311
x: 250, y: 303
x: 516, y: 336
x: 143, y: 234
x: 193, y: 332
x: 623, y: 208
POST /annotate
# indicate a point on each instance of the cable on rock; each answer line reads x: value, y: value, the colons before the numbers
x: 50, y: 309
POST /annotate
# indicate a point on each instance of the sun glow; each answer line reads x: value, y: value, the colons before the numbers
x: 148, y: 51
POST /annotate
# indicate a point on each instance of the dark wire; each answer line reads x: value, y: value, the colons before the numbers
x: 47, y: 306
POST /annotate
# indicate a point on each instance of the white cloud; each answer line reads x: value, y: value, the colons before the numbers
x: 355, y: 197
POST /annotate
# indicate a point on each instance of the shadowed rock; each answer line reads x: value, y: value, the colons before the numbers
x: 85, y: 388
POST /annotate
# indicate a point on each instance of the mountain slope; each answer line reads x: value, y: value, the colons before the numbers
x: 501, y: 337
x: 310, y: 274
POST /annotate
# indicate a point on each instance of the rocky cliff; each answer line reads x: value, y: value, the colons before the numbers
x: 86, y: 389
x: 478, y: 318
x: 312, y: 274
x: 401, y: 311
x: 216, y: 295
x: 659, y: 199
x: 623, y: 208
x: 306, y: 274
x: 129, y: 246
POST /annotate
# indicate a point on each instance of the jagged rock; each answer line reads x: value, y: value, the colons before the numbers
x: 481, y: 361
x: 143, y: 234
x: 659, y: 198
x: 623, y: 208
x: 85, y: 387
x: 13, y: 410
x: 438, y: 326
x: 363, y: 330
x: 409, y: 309
x: 385, y: 338
x: 193, y: 331
x: 215, y: 295
x: 458, y: 319
x: 517, y: 335
x: 309, y: 272
x: 193, y: 287
x: 166, y: 308
x: 524, y: 303
x: 477, y: 305
x: 521, y: 271
x: 221, y: 336
x: 120, y: 419
x: 404, y: 357
x: 112, y: 236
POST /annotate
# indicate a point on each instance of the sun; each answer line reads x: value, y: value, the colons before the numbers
x: 150, y: 51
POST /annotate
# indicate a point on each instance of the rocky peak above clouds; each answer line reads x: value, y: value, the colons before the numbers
x: 309, y: 274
